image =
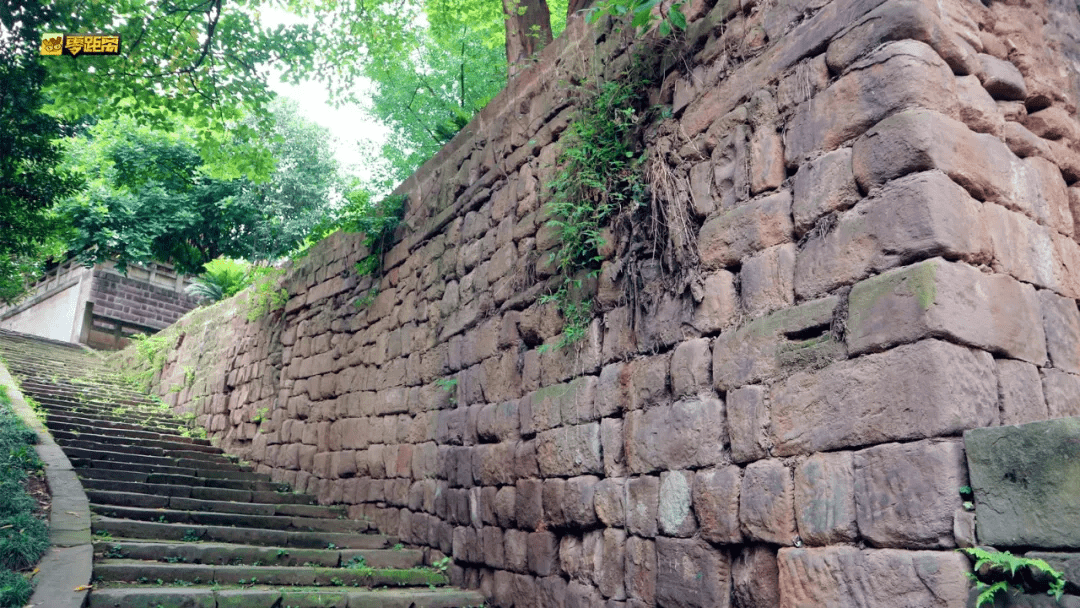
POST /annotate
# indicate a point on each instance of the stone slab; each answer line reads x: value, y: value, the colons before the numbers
x: 1026, y: 480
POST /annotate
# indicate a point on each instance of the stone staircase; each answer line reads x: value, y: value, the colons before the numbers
x: 178, y: 524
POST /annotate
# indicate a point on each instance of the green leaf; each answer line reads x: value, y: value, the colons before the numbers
x: 677, y: 18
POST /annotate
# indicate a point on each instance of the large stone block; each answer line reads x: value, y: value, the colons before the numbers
x: 943, y: 299
x: 719, y: 304
x: 922, y: 140
x: 688, y: 433
x: 691, y: 574
x: 642, y: 503
x: 640, y: 576
x: 906, y: 494
x: 1022, y: 248
x: 560, y: 404
x: 1021, y: 391
x: 767, y: 280
x: 767, y: 503
x: 748, y: 419
x: 1001, y: 78
x: 761, y: 349
x: 1062, y: 392
x: 690, y: 367
x: 675, y: 514
x: 755, y: 578
x: 1025, y: 483
x: 822, y: 186
x: 901, y: 20
x: 927, y: 389
x: 916, y: 216
x: 1061, y: 322
x: 898, y: 76
x: 571, y: 450
x: 609, y: 501
x: 846, y: 577
x: 727, y: 238
x: 716, y: 504
x: 825, y: 499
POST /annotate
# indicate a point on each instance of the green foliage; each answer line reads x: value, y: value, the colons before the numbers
x: 30, y: 180
x: 601, y: 172
x: 442, y: 564
x: 23, y: 537
x: 23, y: 540
x: 265, y: 296
x: 222, y: 278
x: 1000, y: 571
x: 641, y: 14
x: 15, y: 590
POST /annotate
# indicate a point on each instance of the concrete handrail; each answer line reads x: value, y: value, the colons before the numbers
x: 65, y: 569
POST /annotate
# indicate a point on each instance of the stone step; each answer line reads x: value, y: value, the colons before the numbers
x: 199, y: 492
x: 263, y: 597
x: 124, y: 430
x: 184, y: 480
x: 144, y: 453
x: 91, y: 435
x: 150, y: 456
x: 152, y: 572
x: 155, y: 422
x: 236, y: 520
x: 226, y: 554
x: 130, y: 529
x: 82, y: 462
x: 158, y: 501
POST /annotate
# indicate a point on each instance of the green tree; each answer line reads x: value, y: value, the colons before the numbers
x: 302, y: 188
x: 30, y: 182
x: 148, y: 199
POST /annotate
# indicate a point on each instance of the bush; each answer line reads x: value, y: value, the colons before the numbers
x: 13, y: 499
x: 15, y: 590
x: 223, y: 278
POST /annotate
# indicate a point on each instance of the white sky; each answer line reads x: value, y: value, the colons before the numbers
x: 357, y: 137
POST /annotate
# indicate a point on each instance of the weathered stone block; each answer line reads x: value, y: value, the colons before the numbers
x: 571, y: 450
x: 1022, y: 248
x: 822, y: 186
x: 755, y: 578
x: 1001, y: 78
x: 611, y: 443
x: 897, y: 76
x: 748, y: 419
x: 689, y: 433
x: 1061, y: 322
x: 1021, y: 391
x: 767, y: 280
x: 845, y: 577
x: 922, y: 140
x: 766, y: 160
x: 761, y: 349
x: 1062, y: 392
x: 720, y: 303
x: 691, y: 574
x: 898, y: 21
x: 690, y: 367
x: 825, y: 499
x: 543, y: 553
x: 943, y: 299
x: 609, y: 500
x: 529, y: 505
x: 927, y: 389
x: 906, y: 494
x: 675, y: 513
x: 915, y: 216
x: 1024, y: 478
x: 642, y: 503
x: 716, y: 504
x: 767, y: 503
x: 560, y: 404
x: 578, y: 498
x: 979, y: 111
x: 640, y: 576
x: 727, y: 238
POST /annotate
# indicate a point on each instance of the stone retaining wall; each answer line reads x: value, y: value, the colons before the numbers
x: 883, y: 196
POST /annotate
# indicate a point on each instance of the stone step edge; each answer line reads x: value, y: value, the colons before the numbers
x: 336, y: 557
x: 267, y: 597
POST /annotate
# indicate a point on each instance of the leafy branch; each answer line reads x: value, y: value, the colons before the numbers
x: 1000, y: 571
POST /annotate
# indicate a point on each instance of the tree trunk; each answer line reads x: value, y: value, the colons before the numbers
x: 574, y: 6
x: 528, y: 29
